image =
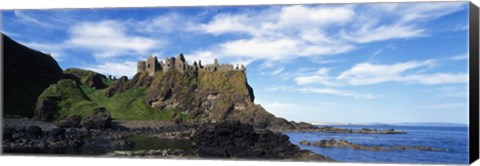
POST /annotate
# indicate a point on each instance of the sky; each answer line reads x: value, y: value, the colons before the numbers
x: 337, y: 63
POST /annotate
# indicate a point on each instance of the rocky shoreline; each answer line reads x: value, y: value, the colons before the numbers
x: 332, y: 143
x: 219, y: 140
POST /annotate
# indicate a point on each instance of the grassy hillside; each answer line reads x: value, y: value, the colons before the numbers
x: 79, y: 99
x: 129, y: 105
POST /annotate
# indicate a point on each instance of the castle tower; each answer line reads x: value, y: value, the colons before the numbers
x: 152, y: 65
x: 169, y: 64
x: 141, y: 66
x: 180, y: 64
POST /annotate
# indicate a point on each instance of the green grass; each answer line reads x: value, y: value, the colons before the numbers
x: 74, y: 101
x: 129, y: 105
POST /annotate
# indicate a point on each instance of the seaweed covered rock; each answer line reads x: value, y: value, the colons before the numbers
x: 237, y: 140
x: 98, y: 118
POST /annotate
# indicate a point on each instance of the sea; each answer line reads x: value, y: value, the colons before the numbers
x: 454, y: 139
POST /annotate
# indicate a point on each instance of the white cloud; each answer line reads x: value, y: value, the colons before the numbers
x: 278, y: 34
x: 383, y: 32
x: 55, y: 50
x: 368, y: 74
x: 126, y: 68
x: 277, y: 107
x: 166, y: 23
x: 437, y: 78
x: 26, y: 18
x: 277, y: 71
x: 460, y: 57
x: 320, y: 77
x: 446, y: 106
x: 109, y: 39
x: 337, y: 92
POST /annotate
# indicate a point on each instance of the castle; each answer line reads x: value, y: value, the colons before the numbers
x: 179, y: 64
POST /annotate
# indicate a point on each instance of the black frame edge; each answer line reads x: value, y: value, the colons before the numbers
x: 473, y: 83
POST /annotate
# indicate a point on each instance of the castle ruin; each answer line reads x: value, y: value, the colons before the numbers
x: 152, y: 65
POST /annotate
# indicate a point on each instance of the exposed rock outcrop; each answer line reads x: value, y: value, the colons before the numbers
x: 98, y: 118
x: 119, y: 85
x: 332, y: 143
x: 329, y: 129
x: 87, y: 77
x: 236, y: 140
x: 340, y: 144
x: 27, y: 73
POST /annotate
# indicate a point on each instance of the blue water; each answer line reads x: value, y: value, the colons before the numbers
x: 453, y: 139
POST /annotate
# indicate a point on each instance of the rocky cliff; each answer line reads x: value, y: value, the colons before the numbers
x: 38, y: 87
x: 27, y: 73
x: 205, y: 97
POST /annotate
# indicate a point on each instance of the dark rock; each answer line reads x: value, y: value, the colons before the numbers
x: 422, y: 148
x: 236, y: 140
x: 46, y: 109
x: 332, y: 143
x: 123, y: 144
x: 27, y: 73
x: 18, y: 135
x: 119, y: 85
x: 98, y: 118
x: 329, y: 129
x: 57, y: 134
x: 71, y: 121
x: 7, y: 133
x: 34, y: 132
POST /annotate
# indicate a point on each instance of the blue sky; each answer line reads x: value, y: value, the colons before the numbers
x: 340, y: 63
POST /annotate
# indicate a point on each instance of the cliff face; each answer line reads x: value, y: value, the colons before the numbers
x: 27, y: 73
x: 209, y: 97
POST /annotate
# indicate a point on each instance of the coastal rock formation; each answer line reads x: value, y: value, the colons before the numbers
x: 34, y: 140
x: 27, y: 73
x: 236, y: 140
x: 329, y: 129
x: 98, y: 118
x: 332, y: 143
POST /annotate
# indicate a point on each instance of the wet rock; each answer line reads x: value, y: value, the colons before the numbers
x: 236, y: 140
x: 332, y: 143
x: 7, y: 133
x: 422, y: 148
x: 123, y: 144
x: 57, y: 134
x: 34, y: 132
x: 329, y: 129
x: 98, y: 118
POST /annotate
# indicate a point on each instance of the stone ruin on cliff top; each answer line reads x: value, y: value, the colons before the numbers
x: 179, y: 64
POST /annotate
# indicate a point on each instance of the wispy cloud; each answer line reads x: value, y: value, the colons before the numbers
x: 125, y: 68
x: 463, y: 56
x: 26, y: 18
x: 368, y: 74
x: 109, y: 39
x: 337, y: 92
x: 446, y: 106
